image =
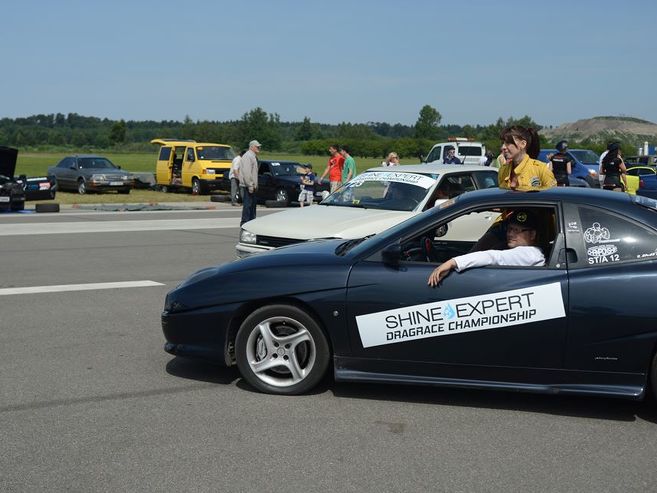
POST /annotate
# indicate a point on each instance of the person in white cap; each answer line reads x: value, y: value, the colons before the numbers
x: 248, y: 176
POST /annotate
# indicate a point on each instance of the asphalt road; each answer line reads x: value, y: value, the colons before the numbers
x: 89, y: 401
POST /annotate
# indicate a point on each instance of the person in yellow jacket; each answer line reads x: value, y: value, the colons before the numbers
x: 521, y: 171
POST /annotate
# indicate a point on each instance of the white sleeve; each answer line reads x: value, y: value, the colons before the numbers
x: 519, y: 256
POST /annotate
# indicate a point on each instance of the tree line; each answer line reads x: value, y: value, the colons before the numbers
x: 372, y: 139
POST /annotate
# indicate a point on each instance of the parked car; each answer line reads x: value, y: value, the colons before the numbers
x: 585, y: 164
x: 647, y: 176
x: 370, y: 203
x: 85, y: 173
x: 647, y: 160
x: 279, y: 181
x: 12, y: 194
x: 362, y: 307
x: 187, y: 165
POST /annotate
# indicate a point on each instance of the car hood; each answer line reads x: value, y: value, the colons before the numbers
x: 326, y: 221
x: 8, y: 156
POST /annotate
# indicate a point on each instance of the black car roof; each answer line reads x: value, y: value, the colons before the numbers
x: 591, y: 196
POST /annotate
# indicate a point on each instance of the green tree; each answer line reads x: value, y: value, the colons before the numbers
x: 258, y: 125
x: 117, y: 133
x: 427, y: 123
x: 305, y: 131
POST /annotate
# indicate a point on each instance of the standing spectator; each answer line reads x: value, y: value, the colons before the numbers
x: 248, y: 176
x: 450, y: 157
x: 614, y: 170
x: 349, y: 167
x: 307, y: 179
x: 234, y: 175
x: 391, y: 160
x: 561, y: 164
x: 333, y: 168
x: 521, y: 171
x: 610, y: 146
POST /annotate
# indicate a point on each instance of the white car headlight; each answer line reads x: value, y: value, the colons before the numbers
x: 593, y: 173
x: 208, y: 171
x: 247, y: 236
x: 98, y: 178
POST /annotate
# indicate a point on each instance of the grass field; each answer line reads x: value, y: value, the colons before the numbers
x: 36, y: 164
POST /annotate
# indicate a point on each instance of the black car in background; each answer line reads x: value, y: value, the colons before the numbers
x: 279, y: 183
x: 12, y: 195
x: 90, y: 173
x: 14, y: 191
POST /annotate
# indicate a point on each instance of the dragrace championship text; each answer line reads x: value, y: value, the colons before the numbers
x: 449, y: 317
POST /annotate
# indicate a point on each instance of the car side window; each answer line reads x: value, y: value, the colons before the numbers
x: 263, y: 168
x: 190, y: 154
x: 609, y: 238
x: 486, y: 179
x: 65, y: 163
x: 165, y: 153
x: 434, y: 155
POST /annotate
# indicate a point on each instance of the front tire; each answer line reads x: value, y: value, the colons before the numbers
x: 196, y: 186
x: 82, y: 187
x: 280, y: 349
x: 283, y: 197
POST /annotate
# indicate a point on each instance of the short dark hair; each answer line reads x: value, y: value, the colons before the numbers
x: 346, y: 149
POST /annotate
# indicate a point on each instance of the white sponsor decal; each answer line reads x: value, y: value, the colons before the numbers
x: 5, y: 199
x: 596, y: 234
x: 423, y: 181
x: 458, y: 316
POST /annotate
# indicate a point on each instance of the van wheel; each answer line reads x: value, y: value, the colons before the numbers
x: 196, y: 186
x: 163, y: 188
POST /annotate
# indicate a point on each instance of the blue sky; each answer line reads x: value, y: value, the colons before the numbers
x: 357, y: 61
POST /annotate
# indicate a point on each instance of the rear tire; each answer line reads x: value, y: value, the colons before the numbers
x: 280, y: 349
x: 219, y: 198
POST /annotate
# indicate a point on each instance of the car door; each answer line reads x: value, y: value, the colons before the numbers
x: 266, y: 181
x: 477, y: 324
x: 611, y: 280
x: 66, y: 173
x: 188, y: 167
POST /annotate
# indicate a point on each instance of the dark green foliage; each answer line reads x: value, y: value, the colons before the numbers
x: 373, y: 139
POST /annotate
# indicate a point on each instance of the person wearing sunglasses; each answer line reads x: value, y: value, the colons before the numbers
x: 522, y: 249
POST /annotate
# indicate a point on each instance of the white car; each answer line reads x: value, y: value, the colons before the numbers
x: 370, y: 203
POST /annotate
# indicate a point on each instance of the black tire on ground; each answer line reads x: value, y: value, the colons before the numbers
x: 18, y: 206
x: 47, y: 207
x: 125, y: 190
x: 196, y: 186
x: 274, y: 204
x: 281, y: 349
x: 219, y: 198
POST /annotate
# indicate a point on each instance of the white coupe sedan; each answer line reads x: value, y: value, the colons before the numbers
x: 370, y: 203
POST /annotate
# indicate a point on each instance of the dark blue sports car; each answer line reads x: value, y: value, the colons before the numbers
x: 585, y: 323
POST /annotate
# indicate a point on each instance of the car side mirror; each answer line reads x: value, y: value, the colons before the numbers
x: 391, y: 254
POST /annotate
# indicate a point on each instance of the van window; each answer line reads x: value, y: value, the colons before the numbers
x: 165, y: 153
x: 215, y: 152
x: 434, y: 155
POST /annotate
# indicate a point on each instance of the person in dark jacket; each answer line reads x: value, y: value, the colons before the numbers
x: 561, y: 164
x: 614, y: 170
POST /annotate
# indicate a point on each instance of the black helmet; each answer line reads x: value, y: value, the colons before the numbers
x: 562, y: 146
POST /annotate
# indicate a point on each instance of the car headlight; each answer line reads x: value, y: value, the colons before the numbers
x: 98, y: 178
x: 593, y: 173
x: 247, y: 236
x: 208, y: 172
x: 124, y: 177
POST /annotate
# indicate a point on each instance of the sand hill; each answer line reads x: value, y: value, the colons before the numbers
x: 602, y: 128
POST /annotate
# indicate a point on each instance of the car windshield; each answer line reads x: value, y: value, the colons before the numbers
x: 586, y: 156
x: 396, y: 191
x: 95, y: 163
x: 286, y: 169
x: 207, y: 153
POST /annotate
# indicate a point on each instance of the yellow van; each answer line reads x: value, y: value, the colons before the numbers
x: 190, y: 165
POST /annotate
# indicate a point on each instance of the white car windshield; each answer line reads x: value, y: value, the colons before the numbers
x: 390, y: 190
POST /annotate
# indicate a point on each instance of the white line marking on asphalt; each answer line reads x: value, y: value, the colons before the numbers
x: 79, y: 287
x: 117, y: 226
